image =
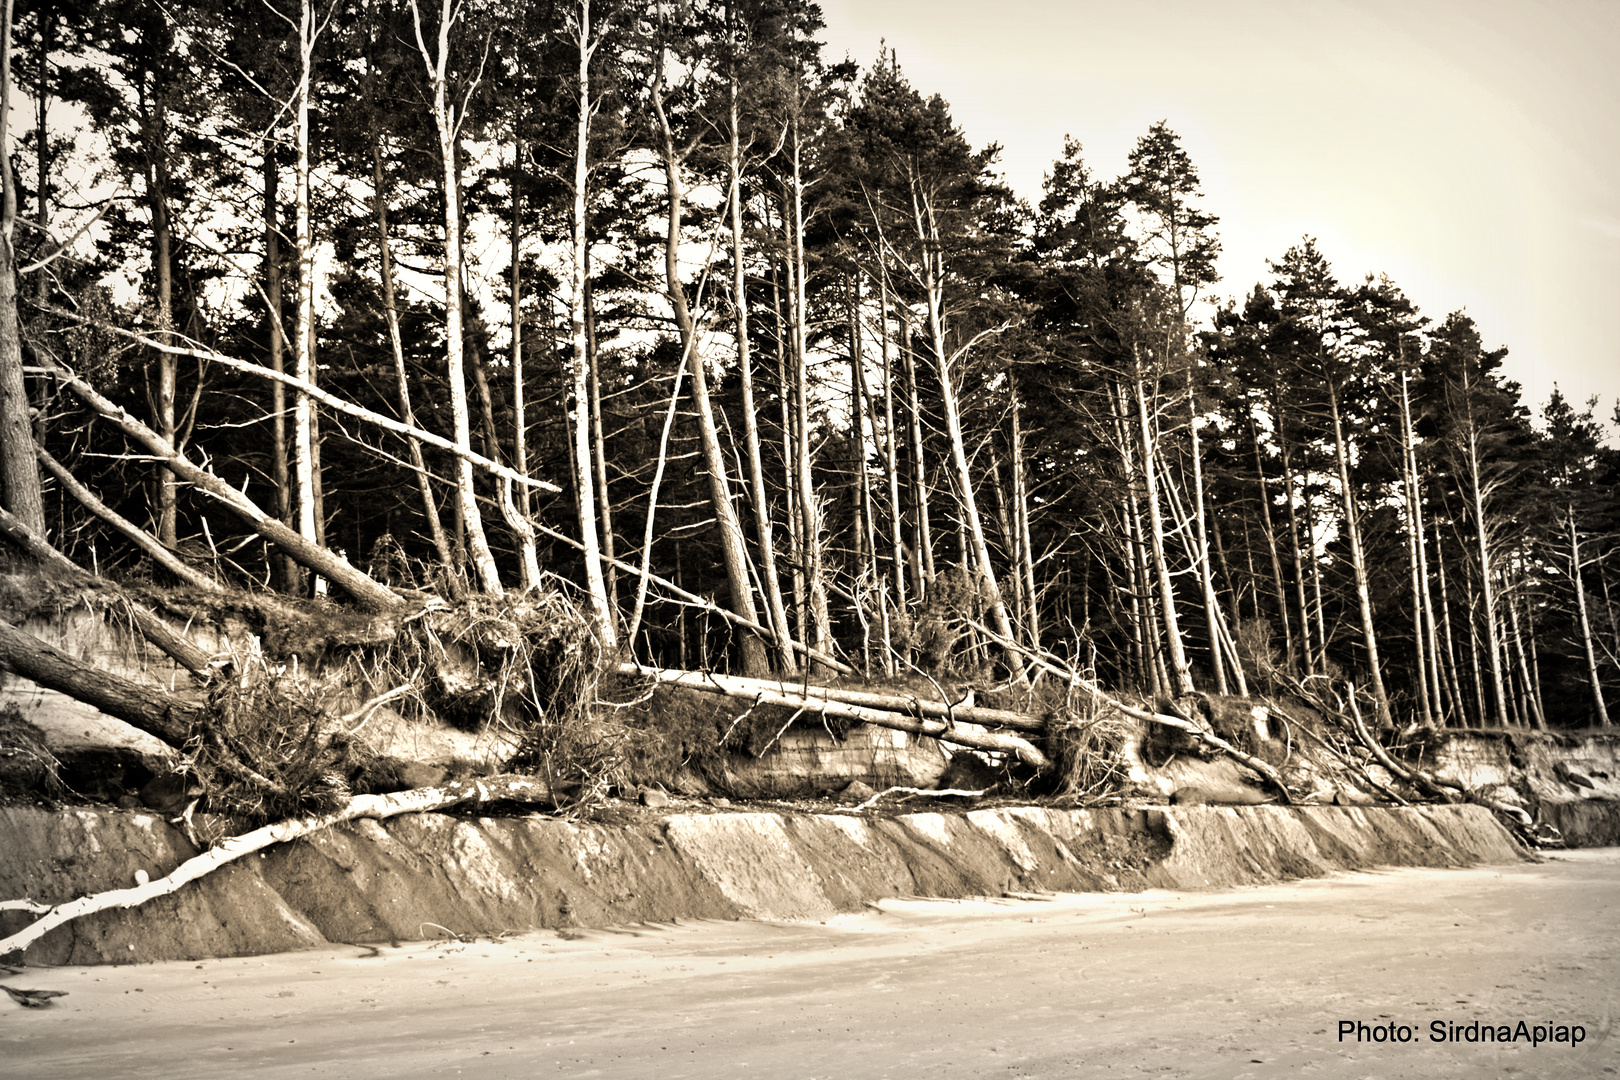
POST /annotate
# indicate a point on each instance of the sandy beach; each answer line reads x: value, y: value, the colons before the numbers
x: 1244, y: 983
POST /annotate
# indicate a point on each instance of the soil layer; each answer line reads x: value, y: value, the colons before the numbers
x: 425, y: 876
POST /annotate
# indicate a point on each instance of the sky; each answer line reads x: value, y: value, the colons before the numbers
x: 1470, y: 149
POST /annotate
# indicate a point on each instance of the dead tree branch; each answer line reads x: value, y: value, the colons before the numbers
x: 136, y: 535
x: 504, y: 787
x: 366, y: 591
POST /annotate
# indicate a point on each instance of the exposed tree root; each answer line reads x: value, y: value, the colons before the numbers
x: 1055, y: 666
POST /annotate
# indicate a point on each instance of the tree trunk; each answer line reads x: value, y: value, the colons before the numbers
x: 520, y: 404
x: 1493, y: 648
x: 20, y: 490
x: 599, y: 437
x: 904, y: 704
x: 1583, y: 618
x: 932, y: 279
x: 1453, y: 680
x: 1532, y: 710
x: 1358, y: 561
x: 603, y: 618
x: 424, y: 482
x: 166, y: 715
x: 154, y: 549
x: 448, y: 126
x: 764, y: 524
x: 1182, y: 674
x: 1307, y: 655
x: 1025, y: 545
x: 812, y: 551
x: 891, y: 458
x: 1428, y: 707
x: 506, y: 788
x: 152, y: 628
x: 797, y: 697
x: 1291, y: 656
x: 923, y: 572
x: 304, y: 436
x: 163, y: 400
x: 287, y: 572
x: 42, y: 147
x: 735, y: 554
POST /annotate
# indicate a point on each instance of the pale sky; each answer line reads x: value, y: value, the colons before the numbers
x: 1470, y: 149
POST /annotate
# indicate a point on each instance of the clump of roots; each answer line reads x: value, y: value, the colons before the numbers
x: 1086, y: 742
x: 528, y: 665
x: 525, y: 667
x: 266, y: 746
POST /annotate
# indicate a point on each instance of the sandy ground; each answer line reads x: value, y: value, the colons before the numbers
x: 1247, y: 983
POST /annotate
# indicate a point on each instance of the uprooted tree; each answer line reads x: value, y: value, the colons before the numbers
x: 866, y: 414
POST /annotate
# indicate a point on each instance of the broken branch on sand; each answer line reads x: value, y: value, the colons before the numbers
x: 508, y: 787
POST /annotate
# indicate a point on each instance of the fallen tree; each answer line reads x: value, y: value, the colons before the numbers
x: 1350, y: 713
x: 904, y: 704
x: 132, y: 532
x: 151, y: 627
x: 817, y: 701
x: 367, y: 591
x: 1201, y: 732
x: 166, y: 715
x: 505, y: 787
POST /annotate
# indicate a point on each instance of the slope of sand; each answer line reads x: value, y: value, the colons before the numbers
x: 1243, y: 983
x: 384, y: 882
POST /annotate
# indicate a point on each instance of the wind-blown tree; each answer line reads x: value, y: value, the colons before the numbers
x: 1583, y: 502
x: 1323, y: 350
x: 1479, y: 438
x: 1178, y: 248
x: 449, y: 117
x: 930, y: 199
x: 673, y: 52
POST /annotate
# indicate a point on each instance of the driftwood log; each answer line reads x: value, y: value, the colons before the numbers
x: 815, y: 700
x: 504, y: 787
